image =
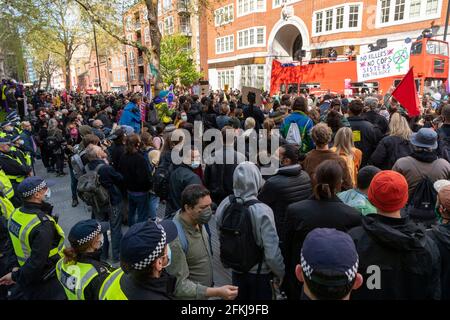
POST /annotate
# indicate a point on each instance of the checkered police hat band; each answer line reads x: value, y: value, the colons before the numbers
x: 36, y: 189
x: 90, y: 237
x: 308, y: 270
x: 155, y: 254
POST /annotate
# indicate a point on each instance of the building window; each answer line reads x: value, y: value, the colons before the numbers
x: 329, y: 20
x: 167, y: 5
x: 279, y: 3
x: 319, y: 21
x: 225, y: 77
x: 250, y: 6
x: 432, y: 7
x: 224, y: 15
x: 342, y: 18
x: 394, y: 12
x: 260, y: 77
x: 414, y: 9
x: 161, y: 27
x: 225, y: 44
x: 339, y: 18
x: 399, y: 10
x: 128, y: 23
x: 132, y: 73
x: 168, y: 25
x: 145, y: 15
x: 253, y: 37
x: 385, y: 10
x: 353, y: 18
x: 159, y: 8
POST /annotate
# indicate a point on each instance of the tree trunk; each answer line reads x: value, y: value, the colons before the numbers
x: 40, y: 82
x: 67, y: 75
x: 155, y: 36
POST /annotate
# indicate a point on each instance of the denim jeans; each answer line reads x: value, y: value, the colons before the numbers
x: 138, y: 208
x: 154, y: 204
x: 73, y: 184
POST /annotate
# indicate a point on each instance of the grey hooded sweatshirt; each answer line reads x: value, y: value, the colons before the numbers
x: 247, y: 181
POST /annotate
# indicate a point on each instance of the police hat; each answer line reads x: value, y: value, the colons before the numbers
x: 33, y: 185
x: 84, y: 232
x: 145, y: 242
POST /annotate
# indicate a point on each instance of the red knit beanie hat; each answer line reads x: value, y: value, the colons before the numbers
x: 388, y: 191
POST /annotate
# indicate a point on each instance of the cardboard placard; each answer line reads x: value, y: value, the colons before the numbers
x: 258, y: 93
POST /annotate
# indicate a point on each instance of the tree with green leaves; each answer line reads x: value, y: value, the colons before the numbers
x: 177, y: 65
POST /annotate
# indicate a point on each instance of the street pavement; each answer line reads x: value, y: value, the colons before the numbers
x: 61, y: 199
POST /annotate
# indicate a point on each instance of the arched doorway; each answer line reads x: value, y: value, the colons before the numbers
x: 287, y: 43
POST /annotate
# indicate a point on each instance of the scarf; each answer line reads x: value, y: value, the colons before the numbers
x: 424, y: 156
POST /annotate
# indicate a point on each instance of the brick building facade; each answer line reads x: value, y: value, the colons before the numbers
x: 244, y: 36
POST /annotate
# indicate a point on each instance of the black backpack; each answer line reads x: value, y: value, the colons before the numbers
x: 238, y: 249
x: 161, y: 182
x: 423, y: 201
x: 444, y: 146
x: 52, y: 142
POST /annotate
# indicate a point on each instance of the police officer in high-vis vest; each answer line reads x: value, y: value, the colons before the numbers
x: 80, y: 271
x: 13, y: 168
x: 6, y: 193
x: 144, y: 255
x: 18, y: 152
x: 38, y: 243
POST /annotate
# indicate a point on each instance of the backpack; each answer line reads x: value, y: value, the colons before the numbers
x: 77, y: 164
x: 52, y: 142
x: 161, y: 182
x: 91, y: 191
x: 238, y: 249
x: 444, y: 147
x: 422, y: 204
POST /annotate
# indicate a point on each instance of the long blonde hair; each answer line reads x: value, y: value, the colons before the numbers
x: 343, y: 141
x: 399, y: 127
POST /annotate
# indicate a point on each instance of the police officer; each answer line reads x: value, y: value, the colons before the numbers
x: 8, y: 129
x: 14, y: 169
x: 144, y: 255
x: 81, y: 272
x: 18, y: 152
x: 38, y: 242
x: 7, y: 258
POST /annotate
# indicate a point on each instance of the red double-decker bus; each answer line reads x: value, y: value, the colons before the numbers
x: 428, y: 56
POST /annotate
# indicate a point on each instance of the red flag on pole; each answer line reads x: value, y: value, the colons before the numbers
x: 406, y: 94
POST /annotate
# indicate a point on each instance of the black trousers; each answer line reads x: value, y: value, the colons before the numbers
x: 253, y: 286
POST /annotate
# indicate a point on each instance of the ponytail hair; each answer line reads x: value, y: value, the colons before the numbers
x: 328, y: 180
x: 72, y: 253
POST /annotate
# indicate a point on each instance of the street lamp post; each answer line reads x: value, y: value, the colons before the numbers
x: 98, y: 63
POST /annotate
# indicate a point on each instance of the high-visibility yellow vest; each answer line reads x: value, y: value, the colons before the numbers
x: 3, y: 91
x: 3, y: 134
x: 111, y: 289
x: 6, y: 207
x: 5, y: 185
x: 20, y: 226
x: 20, y: 153
x: 75, y: 278
x: 17, y: 179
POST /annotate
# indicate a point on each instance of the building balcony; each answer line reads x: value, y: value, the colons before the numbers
x: 183, y: 7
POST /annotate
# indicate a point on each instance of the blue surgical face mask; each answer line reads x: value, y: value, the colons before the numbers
x: 195, y: 164
x: 48, y: 194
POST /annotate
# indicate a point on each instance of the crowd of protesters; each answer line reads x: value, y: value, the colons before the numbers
x: 362, y: 191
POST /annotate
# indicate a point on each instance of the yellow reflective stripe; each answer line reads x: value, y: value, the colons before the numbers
x: 24, y: 237
x: 88, y: 276
x: 109, y: 283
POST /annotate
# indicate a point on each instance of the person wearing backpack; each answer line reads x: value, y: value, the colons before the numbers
x: 444, y: 134
x: 421, y: 170
x: 110, y: 180
x: 323, y: 210
x: 296, y: 128
x: 249, y: 242
x: 55, y: 143
x: 192, y: 262
x: 408, y: 260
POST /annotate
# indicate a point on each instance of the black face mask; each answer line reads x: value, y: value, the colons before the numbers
x: 47, y: 208
x: 96, y: 254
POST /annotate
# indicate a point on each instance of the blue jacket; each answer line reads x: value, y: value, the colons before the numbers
x: 304, y: 123
x: 131, y: 116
